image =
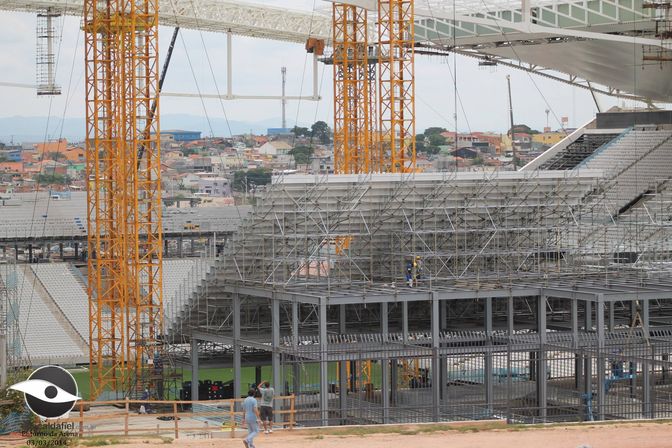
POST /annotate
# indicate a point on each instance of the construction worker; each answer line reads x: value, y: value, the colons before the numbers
x: 417, y: 270
x: 409, y: 274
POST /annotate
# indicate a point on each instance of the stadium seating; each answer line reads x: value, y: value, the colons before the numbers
x: 68, y: 292
x: 44, y: 335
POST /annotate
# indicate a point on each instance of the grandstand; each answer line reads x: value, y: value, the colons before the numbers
x: 54, y: 310
x: 38, y: 216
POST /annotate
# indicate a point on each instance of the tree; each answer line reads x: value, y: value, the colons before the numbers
x: 301, y: 132
x: 255, y: 176
x: 302, y: 154
x: 523, y: 129
x: 188, y: 151
x: 437, y: 140
x: 14, y: 400
x: 321, y: 131
x: 3, y: 158
x: 51, y: 179
x: 434, y: 131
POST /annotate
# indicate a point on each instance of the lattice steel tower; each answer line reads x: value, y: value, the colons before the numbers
x: 124, y: 193
x: 396, y: 84
x: 374, y: 89
x: 354, y: 93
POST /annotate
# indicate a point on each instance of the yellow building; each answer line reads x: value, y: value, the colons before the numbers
x: 548, y: 138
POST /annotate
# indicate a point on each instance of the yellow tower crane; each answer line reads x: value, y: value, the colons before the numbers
x: 374, y: 100
x: 124, y: 193
x: 374, y: 89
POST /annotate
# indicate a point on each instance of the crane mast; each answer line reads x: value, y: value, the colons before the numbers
x: 374, y: 88
x: 124, y: 194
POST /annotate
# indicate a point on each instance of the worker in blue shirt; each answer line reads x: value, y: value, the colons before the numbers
x: 251, y: 416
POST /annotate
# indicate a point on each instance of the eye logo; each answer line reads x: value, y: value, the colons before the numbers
x: 50, y: 392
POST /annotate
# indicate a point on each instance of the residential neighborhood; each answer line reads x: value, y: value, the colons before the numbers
x: 230, y: 170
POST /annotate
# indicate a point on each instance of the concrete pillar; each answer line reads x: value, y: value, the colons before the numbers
x: 179, y: 247
x: 165, y: 248
x: 237, y: 364
x: 324, y: 371
x: 488, y: 373
x: 30, y: 253
x: 194, y: 370
x: 436, y: 376
x: 60, y: 250
x: 77, y: 250
x: 542, y: 377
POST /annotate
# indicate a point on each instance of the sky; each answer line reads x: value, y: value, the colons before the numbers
x: 483, y: 102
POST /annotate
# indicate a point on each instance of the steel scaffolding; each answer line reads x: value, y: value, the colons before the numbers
x: 466, y: 295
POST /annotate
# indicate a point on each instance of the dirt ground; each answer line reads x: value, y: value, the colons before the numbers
x: 640, y: 435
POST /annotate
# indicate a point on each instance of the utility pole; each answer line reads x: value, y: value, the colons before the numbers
x: 513, y: 145
x: 283, y: 70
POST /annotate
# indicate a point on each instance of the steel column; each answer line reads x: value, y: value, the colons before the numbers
x: 542, y: 380
x: 601, y: 389
x: 194, y: 370
x: 488, y: 374
x: 324, y: 371
x: 436, y: 376
x: 237, y: 362
x: 275, y: 344
x: 343, y: 370
x: 384, y: 365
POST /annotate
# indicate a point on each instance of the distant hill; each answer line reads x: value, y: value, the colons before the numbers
x: 34, y: 129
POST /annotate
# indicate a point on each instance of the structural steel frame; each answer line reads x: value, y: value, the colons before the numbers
x: 508, y: 294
